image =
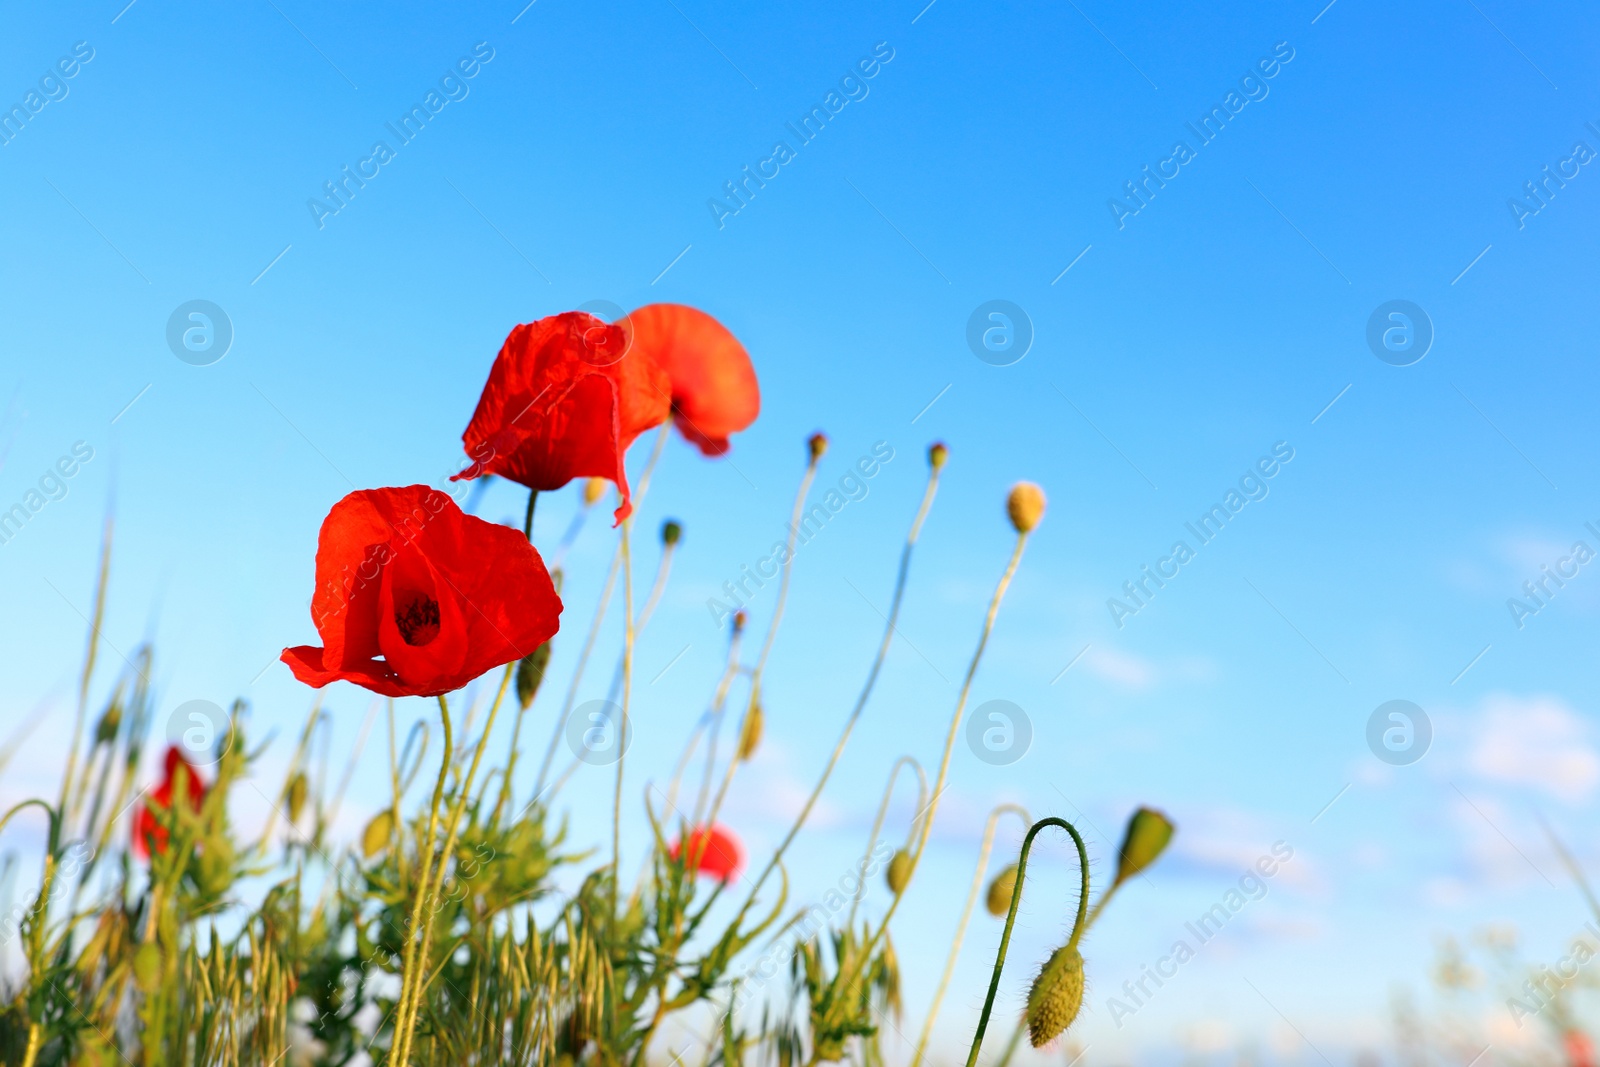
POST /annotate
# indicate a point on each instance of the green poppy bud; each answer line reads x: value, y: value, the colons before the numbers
x: 1056, y: 996
x: 937, y: 454
x: 530, y: 673
x: 375, y: 838
x: 899, y: 872
x: 1147, y: 836
x: 671, y: 532
x: 750, y: 733
x: 1000, y: 891
x: 818, y: 443
x: 105, y: 730
x: 295, y: 796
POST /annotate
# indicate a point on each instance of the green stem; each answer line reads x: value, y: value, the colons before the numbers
x: 406, y: 1014
x: 1011, y: 917
x: 627, y: 691
x: 527, y: 521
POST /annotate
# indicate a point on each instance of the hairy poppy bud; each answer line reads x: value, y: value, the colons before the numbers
x: 1056, y: 996
x: 1000, y: 891
x: 899, y: 873
x: 105, y: 730
x: 530, y: 673
x: 671, y: 532
x: 1025, y: 505
x: 295, y: 796
x: 1146, y: 838
x: 375, y: 838
x: 755, y: 725
x: 592, y: 490
x: 937, y: 454
x: 818, y: 444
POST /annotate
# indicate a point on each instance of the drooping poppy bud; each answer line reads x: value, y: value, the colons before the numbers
x: 751, y: 730
x: 1056, y: 996
x: 998, y: 902
x: 375, y: 838
x: 530, y: 674
x: 899, y: 873
x: 1025, y: 505
x: 1147, y: 836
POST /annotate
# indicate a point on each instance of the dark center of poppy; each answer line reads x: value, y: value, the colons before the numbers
x: 418, y: 621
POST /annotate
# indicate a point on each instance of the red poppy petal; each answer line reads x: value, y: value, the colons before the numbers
x: 714, y: 387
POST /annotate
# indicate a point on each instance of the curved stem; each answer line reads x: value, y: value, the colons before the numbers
x: 1011, y: 917
x: 861, y: 701
x: 950, y: 739
x: 877, y: 825
x: 405, y: 1016
x: 961, y: 927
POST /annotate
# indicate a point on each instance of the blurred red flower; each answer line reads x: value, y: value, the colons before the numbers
x: 416, y: 598
x: 714, y: 388
x: 1580, y: 1051
x: 719, y: 853
x: 565, y: 398
x: 148, y: 833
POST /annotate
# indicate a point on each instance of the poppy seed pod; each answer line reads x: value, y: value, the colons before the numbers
x: 1146, y: 838
x: 750, y: 733
x: 592, y: 490
x: 1056, y: 996
x: 899, y: 873
x: 296, y: 796
x: 671, y: 532
x: 1001, y: 890
x: 818, y: 444
x: 937, y: 454
x: 530, y: 673
x: 375, y: 838
x: 1025, y: 505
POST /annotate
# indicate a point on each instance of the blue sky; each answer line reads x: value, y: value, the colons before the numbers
x: 980, y: 162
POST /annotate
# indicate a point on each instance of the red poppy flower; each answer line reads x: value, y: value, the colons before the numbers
x: 720, y: 854
x: 565, y: 398
x: 714, y: 389
x: 416, y: 598
x: 1580, y: 1052
x: 148, y: 832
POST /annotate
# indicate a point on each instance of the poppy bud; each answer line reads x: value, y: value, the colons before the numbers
x: 1000, y: 891
x: 755, y: 724
x: 296, y: 796
x: 1056, y: 996
x: 530, y: 672
x: 375, y: 838
x: 818, y: 444
x: 671, y: 532
x: 1025, y: 505
x: 105, y: 730
x: 739, y: 619
x: 899, y: 872
x: 147, y: 966
x: 937, y: 454
x: 1146, y: 838
x: 592, y: 490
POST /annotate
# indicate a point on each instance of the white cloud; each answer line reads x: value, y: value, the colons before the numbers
x: 1537, y: 742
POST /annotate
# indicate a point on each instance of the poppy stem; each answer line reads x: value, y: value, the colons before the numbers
x: 627, y: 690
x: 410, y: 972
x: 961, y: 928
x: 1011, y: 916
x: 527, y: 521
x: 877, y: 825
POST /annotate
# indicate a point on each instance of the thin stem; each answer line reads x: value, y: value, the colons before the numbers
x: 950, y: 738
x: 406, y: 1010
x: 83, y: 682
x: 627, y: 692
x: 877, y: 825
x: 527, y: 520
x: 1011, y: 917
x: 961, y: 928
x: 861, y: 701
